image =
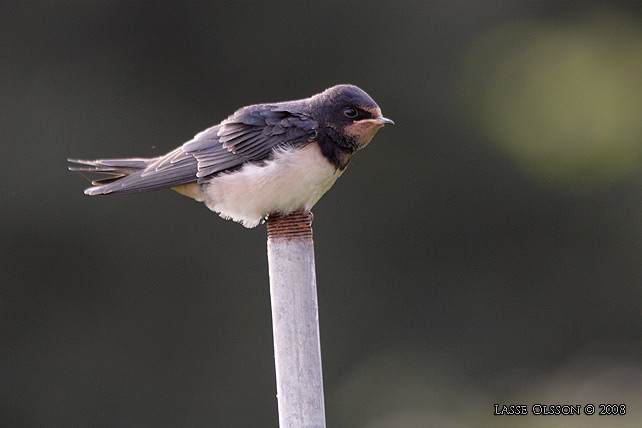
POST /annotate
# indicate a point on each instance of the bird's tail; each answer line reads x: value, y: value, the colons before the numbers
x: 116, y: 168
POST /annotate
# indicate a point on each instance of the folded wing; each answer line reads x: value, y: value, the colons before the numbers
x: 249, y: 135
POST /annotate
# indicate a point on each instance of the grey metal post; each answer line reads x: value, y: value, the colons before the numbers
x: 295, y: 321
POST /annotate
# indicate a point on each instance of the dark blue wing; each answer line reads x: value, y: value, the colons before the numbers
x: 248, y: 135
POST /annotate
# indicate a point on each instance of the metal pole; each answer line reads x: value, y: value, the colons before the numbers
x: 295, y: 321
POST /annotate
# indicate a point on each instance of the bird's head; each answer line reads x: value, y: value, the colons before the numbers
x: 348, y: 116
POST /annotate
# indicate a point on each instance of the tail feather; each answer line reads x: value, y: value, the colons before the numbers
x: 135, y: 175
x: 110, y: 166
x: 116, y: 168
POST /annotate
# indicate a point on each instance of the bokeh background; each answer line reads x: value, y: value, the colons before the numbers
x: 485, y: 250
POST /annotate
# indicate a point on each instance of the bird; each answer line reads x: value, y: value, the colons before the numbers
x: 263, y: 160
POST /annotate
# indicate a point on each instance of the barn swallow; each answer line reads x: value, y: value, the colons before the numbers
x: 265, y: 159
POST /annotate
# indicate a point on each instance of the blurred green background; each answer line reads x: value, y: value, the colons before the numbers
x: 486, y: 249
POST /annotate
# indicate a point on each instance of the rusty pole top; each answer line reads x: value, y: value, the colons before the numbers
x: 294, y: 227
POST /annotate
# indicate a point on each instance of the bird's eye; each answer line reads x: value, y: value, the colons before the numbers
x: 350, y: 112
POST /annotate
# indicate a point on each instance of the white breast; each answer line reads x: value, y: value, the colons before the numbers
x: 294, y: 180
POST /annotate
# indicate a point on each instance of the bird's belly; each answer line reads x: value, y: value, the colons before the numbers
x: 295, y: 179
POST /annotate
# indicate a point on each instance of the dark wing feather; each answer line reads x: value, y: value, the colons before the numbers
x: 249, y: 135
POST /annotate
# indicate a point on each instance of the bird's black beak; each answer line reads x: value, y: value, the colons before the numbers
x: 384, y: 121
